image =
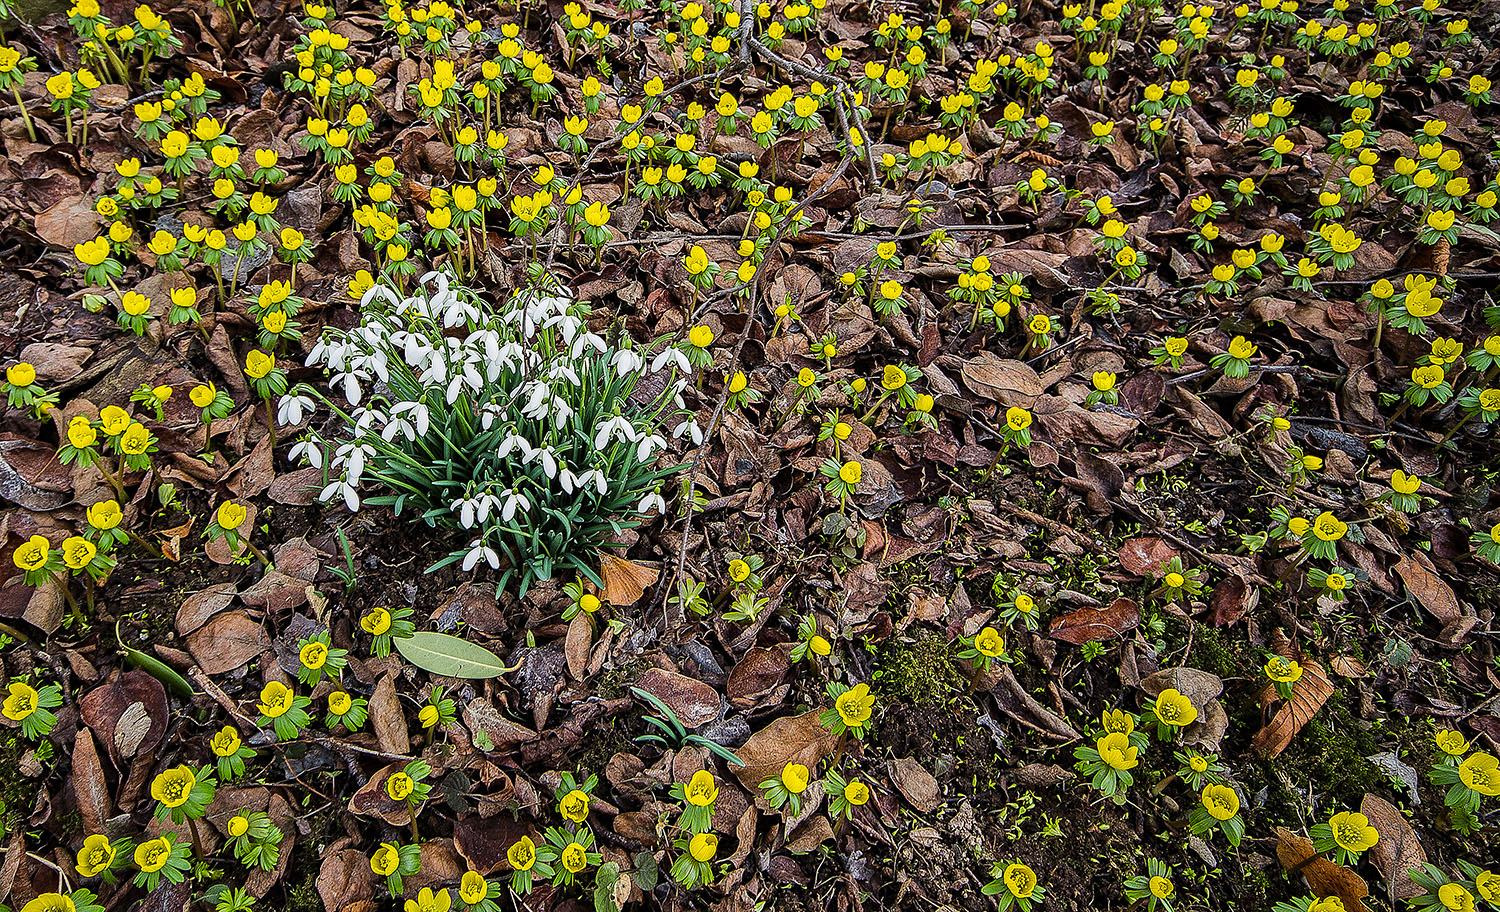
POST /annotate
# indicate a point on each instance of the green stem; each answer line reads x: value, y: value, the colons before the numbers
x: 25, y: 114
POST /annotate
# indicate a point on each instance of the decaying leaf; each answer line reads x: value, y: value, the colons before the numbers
x: 802, y: 739
x: 625, y: 581
x: 1089, y: 624
x: 1398, y: 851
x: 1309, y: 694
x: 1324, y: 878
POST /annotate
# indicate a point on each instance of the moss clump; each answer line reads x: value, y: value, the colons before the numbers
x: 1212, y: 651
x: 921, y: 672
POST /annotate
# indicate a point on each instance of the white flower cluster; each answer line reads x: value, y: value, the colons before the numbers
x: 516, y: 423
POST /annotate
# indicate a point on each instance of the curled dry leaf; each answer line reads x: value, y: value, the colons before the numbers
x: 1324, y: 878
x: 227, y: 641
x: 1309, y: 694
x: 1428, y: 589
x: 1145, y: 556
x: 625, y: 581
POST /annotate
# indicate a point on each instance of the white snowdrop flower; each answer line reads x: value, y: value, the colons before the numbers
x: 348, y: 383
x: 588, y: 340
x: 341, y: 488
x: 569, y: 481
x: 549, y: 458
x: 513, y: 442
x: 596, y: 478
x: 652, y: 501
x: 562, y: 412
x: 564, y: 371
x: 618, y: 427
x: 690, y: 428
x: 290, y: 409
x: 308, y: 449
x: 648, y: 446
x: 673, y: 356
x: 478, y: 551
x: 420, y: 416
x: 626, y: 361
x: 514, y: 501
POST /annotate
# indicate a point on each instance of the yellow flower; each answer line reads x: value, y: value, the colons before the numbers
x: 50, y: 902
x: 1451, y: 742
x: 386, y: 860
x: 78, y: 552
x: 701, y: 790
x: 230, y: 515
x: 135, y: 440
x: 1221, y: 801
x: 1352, y: 831
x: 1455, y: 897
x: 1020, y: 880
x: 703, y: 847
x: 258, y: 363
x: 1328, y: 527
x: 225, y: 742
x: 313, y: 655
x: 399, y: 786
x: 855, y: 705
x: 92, y: 253
x: 1117, y: 752
x: 893, y: 378
x: 1481, y: 772
x: 795, y: 778
x: 522, y: 855
x: 1488, y: 885
x: 851, y: 472
x: 1175, y: 709
x: 153, y: 854
x: 856, y: 793
x: 574, y: 858
x: 1161, y: 887
x: 1117, y: 720
x: 1104, y: 381
x: 376, y: 621
x: 990, y: 643
x: 1017, y: 418
x: 1283, y: 670
x: 275, y: 700
x: 173, y: 787
x: 473, y: 888
x: 700, y: 336
x: 1241, y: 348
x: 96, y: 855
x: 696, y: 261
x: 20, y: 701
x: 574, y: 806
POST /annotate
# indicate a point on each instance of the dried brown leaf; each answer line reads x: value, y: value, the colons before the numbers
x: 1324, y: 878
x: 1398, y: 851
x: 1089, y: 624
x: 1309, y: 694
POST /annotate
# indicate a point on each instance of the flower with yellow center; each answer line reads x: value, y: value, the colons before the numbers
x: 1221, y: 801
x: 376, y: 621
x: 225, y: 742
x: 32, y: 554
x: 275, y: 700
x: 1403, y: 483
x: 78, y: 552
x: 1175, y: 709
x: 856, y: 793
x: 1161, y: 887
x: 795, y: 778
x: 1455, y: 897
x: 1017, y: 418
x: 855, y: 705
x: 473, y: 888
x: 1481, y: 772
x: 1117, y: 720
x: 574, y: 806
x: 1487, y: 883
x: 522, y: 854
x: 96, y: 855
x: 1328, y: 527
x: 230, y: 515
x: 400, y: 786
x: 21, y: 701
x: 50, y: 902
x: 313, y: 655
x: 701, y: 789
x: 1117, y: 752
x: 574, y: 858
x: 258, y: 363
x: 153, y: 854
x: 386, y: 860
x: 238, y: 826
x: 700, y: 336
x: 1020, y: 880
x: 135, y: 440
x: 990, y: 643
x: 1451, y: 742
x: 1283, y: 670
x: 892, y: 378
x: 81, y: 433
x: 1353, y: 832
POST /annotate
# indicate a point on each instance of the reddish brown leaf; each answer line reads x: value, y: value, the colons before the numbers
x: 790, y: 738
x: 89, y: 787
x: 694, y: 702
x: 1145, y: 556
x: 386, y: 717
x: 625, y: 581
x: 227, y: 641
x: 1232, y: 599
x: 1089, y: 624
x: 1324, y: 878
x: 1398, y: 851
x: 1309, y: 694
x: 1428, y: 589
x: 756, y: 677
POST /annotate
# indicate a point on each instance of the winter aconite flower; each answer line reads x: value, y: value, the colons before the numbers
x: 1173, y: 711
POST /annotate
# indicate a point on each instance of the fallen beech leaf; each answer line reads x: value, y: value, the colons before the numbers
x: 103, y: 708
x: 386, y: 717
x: 1324, y: 878
x: 227, y: 641
x: 694, y: 702
x: 344, y: 879
x: 1145, y: 556
x: 1309, y: 694
x: 1089, y: 624
x: 625, y: 581
x: 790, y: 738
x: 1004, y: 380
x: 1428, y: 589
x: 1398, y: 851
x: 89, y: 787
x: 757, y: 677
x: 1232, y: 599
x: 576, y: 646
x: 916, y: 785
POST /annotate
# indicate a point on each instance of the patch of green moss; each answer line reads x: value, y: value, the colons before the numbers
x: 615, y: 682
x: 17, y: 793
x: 920, y: 671
x: 1329, y: 751
x: 1213, y: 650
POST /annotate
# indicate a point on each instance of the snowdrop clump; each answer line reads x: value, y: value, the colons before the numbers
x: 514, y: 423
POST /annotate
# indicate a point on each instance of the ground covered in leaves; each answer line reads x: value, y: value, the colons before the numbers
x: 1087, y: 498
